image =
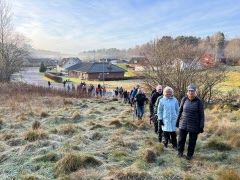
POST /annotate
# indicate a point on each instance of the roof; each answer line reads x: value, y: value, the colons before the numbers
x: 138, y: 60
x: 65, y: 60
x: 95, y: 67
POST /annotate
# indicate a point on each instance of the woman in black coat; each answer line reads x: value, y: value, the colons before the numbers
x: 190, y: 121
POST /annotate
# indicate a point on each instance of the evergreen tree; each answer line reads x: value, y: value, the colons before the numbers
x: 42, y: 68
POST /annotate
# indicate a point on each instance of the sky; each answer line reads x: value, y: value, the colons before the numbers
x: 73, y: 26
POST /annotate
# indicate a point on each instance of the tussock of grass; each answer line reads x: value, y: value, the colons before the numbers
x: 131, y: 174
x: 118, y: 155
x: 90, y: 123
x: 44, y: 114
x: 147, y: 155
x: 92, y: 111
x: 36, y: 125
x: 228, y: 174
x: 130, y: 126
x: 1, y: 123
x: 73, y: 161
x: 8, y: 135
x: 217, y: 145
x: 76, y: 115
x: 67, y: 101
x: 97, y: 126
x: 28, y: 177
x: 96, y: 136
x: 115, y: 123
x: 51, y: 156
x: 83, y: 174
x: 33, y: 135
x: 67, y: 129
x: 110, y: 108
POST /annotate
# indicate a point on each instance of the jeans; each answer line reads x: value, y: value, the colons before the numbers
x: 140, y: 111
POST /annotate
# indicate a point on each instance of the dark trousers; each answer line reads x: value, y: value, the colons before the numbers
x: 191, y: 144
x: 156, y: 127
x: 167, y: 138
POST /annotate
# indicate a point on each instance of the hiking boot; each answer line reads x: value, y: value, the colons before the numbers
x: 189, y: 158
x: 180, y: 155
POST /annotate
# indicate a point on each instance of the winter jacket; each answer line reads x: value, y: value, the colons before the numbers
x: 140, y: 99
x: 152, y: 102
x: 167, y: 111
x: 191, y: 115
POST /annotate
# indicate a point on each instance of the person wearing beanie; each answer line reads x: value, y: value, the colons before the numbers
x: 190, y: 121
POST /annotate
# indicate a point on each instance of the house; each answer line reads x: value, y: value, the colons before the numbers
x: 138, y: 63
x: 66, y: 63
x: 95, y: 70
x: 209, y: 60
x: 187, y: 65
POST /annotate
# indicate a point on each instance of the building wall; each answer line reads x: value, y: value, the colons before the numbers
x: 93, y: 76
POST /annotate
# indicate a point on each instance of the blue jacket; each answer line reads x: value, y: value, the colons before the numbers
x: 168, y: 111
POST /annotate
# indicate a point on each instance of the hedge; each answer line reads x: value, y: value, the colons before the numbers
x: 53, y: 77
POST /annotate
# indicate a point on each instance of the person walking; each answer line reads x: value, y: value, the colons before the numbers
x: 167, y: 115
x: 190, y: 121
x: 49, y: 83
x: 153, y: 100
x: 140, y: 100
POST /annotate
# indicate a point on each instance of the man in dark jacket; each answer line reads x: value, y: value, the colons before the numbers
x: 152, y: 104
x: 140, y: 100
x: 190, y: 121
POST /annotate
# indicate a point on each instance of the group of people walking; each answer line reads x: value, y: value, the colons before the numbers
x: 167, y: 115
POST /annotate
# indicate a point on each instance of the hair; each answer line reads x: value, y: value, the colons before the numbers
x: 166, y: 89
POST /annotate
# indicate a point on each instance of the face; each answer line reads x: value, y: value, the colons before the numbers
x: 168, y: 93
x: 159, y: 91
x: 191, y: 93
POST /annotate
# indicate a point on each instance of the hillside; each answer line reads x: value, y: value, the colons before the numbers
x: 47, y: 135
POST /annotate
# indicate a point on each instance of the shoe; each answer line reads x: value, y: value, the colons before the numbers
x: 165, y: 145
x: 160, y: 140
x: 180, y: 155
x: 189, y: 158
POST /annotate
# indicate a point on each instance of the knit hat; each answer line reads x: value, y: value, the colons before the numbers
x: 158, y: 87
x: 191, y: 87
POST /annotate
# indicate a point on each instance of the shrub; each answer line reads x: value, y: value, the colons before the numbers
x: 217, y: 145
x: 36, y: 125
x: 42, y: 67
x: 33, y: 135
x: 73, y: 161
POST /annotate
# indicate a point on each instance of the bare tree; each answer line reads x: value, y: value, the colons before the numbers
x: 12, y: 45
x: 177, y: 64
x: 232, y: 51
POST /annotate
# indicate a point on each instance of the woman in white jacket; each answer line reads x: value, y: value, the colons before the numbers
x: 167, y: 115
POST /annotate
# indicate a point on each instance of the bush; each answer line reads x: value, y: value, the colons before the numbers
x: 53, y: 77
x: 73, y: 161
x: 42, y: 67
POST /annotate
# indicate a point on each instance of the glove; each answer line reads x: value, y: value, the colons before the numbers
x: 201, y: 130
x: 161, y: 122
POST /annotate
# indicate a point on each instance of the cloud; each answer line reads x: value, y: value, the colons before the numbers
x: 73, y: 26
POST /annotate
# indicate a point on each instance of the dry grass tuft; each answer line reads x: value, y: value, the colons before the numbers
x: 97, y: 126
x: 110, y: 108
x: 90, y: 123
x: 92, y: 111
x: 1, y: 123
x: 131, y: 174
x: 73, y: 161
x: 33, y: 135
x: 130, y: 126
x: 51, y: 156
x: 158, y: 148
x: 76, y: 115
x: 67, y: 101
x: 36, y: 125
x: 235, y: 140
x: 115, y: 123
x: 217, y: 144
x: 28, y: 177
x: 66, y: 129
x: 228, y: 174
x: 8, y: 135
x: 44, y: 114
x: 84, y: 174
x: 149, y: 156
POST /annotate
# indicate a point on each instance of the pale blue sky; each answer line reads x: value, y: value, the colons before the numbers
x: 72, y: 26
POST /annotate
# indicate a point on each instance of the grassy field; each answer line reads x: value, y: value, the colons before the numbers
x: 50, y: 136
